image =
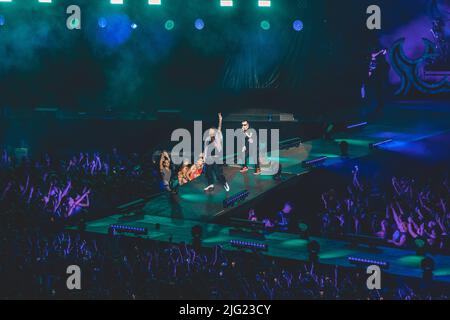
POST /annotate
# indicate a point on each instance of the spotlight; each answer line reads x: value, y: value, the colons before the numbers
x: 199, y: 24
x: 378, y: 144
x: 169, y: 25
x: 118, y: 228
x: 226, y: 3
x: 249, y: 245
x: 313, y: 250
x: 231, y: 201
x: 314, y: 162
x: 297, y: 25
x: 134, y: 26
x: 116, y: 1
x: 45, y: 1
x: 362, y: 262
x: 265, y: 25
x: 154, y: 2
x: 102, y: 23
x: 2, y: 20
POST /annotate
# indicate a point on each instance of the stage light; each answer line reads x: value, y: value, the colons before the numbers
x: 5, y: 0
x: 154, y: 2
x: 2, y: 20
x: 265, y: 25
x: 368, y: 262
x: 102, y: 23
x: 169, y: 25
x: 357, y: 125
x: 378, y: 144
x: 45, y: 1
x: 116, y: 1
x: 298, y: 25
x: 134, y: 26
x: 343, y: 146
x: 119, y: 228
x: 231, y: 201
x: 226, y: 3
x: 264, y: 3
x: 249, y: 245
x: 199, y: 24
x: 314, y: 162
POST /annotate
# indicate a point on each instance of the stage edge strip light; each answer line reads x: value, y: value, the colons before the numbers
x: 378, y: 144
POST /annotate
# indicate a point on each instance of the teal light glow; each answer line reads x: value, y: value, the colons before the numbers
x: 265, y: 25
x: 169, y: 25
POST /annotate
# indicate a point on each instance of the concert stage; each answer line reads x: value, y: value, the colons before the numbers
x: 406, y: 124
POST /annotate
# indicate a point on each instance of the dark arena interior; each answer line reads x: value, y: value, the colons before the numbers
x: 239, y: 150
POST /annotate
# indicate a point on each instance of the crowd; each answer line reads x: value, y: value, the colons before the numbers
x: 33, y: 265
x: 404, y: 212
x: 62, y: 188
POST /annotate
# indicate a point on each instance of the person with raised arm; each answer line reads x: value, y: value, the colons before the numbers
x: 213, y: 148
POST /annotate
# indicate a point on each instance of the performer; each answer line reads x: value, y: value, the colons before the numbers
x: 213, y: 164
x: 377, y: 75
x: 250, y: 140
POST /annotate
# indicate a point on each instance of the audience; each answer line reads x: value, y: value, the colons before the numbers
x: 61, y: 189
x: 33, y: 265
x: 413, y: 211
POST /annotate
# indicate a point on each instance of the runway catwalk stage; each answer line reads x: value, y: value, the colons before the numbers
x: 405, y: 124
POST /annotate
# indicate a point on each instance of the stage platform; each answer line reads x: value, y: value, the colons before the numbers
x: 405, y: 123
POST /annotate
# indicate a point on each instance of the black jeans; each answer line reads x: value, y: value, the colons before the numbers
x: 246, y: 155
x: 212, y: 170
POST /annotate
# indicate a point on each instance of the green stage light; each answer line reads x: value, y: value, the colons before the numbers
x: 154, y: 2
x: 264, y: 3
x: 169, y: 25
x: 5, y: 0
x: 265, y: 25
x: 45, y: 1
x: 226, y: 3
x: 116, y: 1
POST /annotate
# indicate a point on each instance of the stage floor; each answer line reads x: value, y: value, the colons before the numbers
x: 407, y: 124
x: 404, y: 123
